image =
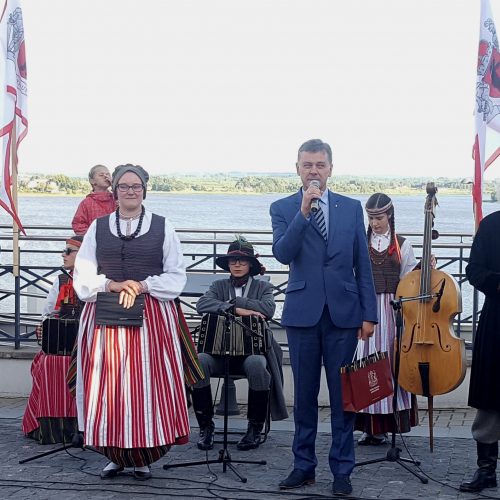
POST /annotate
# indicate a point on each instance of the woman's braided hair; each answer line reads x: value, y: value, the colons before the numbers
x: 380, y: 203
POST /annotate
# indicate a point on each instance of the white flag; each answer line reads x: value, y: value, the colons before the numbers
x: 13, y: 112
x: 487, y: 102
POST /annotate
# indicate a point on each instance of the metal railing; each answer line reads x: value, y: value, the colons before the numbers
x: 40, y: 261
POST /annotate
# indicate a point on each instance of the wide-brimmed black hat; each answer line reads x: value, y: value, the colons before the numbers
x: 241, y: 248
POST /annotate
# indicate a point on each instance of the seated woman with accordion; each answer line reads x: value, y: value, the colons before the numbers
x: 50, y: 415
x: 251, y: 300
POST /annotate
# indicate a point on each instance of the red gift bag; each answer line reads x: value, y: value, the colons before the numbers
x: 366, y: 381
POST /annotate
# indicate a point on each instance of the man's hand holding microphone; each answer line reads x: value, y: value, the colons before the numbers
x: 310, y: 198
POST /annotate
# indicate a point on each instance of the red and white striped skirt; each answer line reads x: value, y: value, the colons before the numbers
x: 49, y: 395
x: 130, y: 385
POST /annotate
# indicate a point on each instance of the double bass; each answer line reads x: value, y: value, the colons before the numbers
x: 432, y: 357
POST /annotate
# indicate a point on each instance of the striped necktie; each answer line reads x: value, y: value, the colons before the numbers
x: 320, y: 220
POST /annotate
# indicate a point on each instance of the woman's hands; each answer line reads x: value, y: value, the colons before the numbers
x: 128, y: 290
x: 39, y: 333
x: 433, y: 261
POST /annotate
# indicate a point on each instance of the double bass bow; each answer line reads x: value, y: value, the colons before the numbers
x: 432, y: 357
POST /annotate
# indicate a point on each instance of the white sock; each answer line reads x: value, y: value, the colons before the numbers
x: 111, y: 466
x: 142, y: 469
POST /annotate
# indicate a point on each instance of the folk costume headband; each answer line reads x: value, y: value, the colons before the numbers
x: 76, y: 241
x: 379, y: 210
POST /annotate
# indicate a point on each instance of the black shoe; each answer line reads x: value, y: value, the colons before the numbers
x: 370, y: 440
x: 111, y: 473
x: 77, y: 440
x: 206, y: 441
x: 341, y: 485
x: 482, y: 479
x: 252, y: 438
x: 142, y: 476
x: 296, y: 479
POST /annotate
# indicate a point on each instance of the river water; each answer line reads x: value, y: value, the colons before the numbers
x: 235, y: 212
x: 203, y: 211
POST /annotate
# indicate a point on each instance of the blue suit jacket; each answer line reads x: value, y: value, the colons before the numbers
x: 337, y: 273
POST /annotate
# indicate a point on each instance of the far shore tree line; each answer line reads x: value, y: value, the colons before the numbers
x: 233, y: 183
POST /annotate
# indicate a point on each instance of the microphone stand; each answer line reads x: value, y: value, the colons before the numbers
x: 224, y: 457
x: 394, y: 453
x: 76, y: 442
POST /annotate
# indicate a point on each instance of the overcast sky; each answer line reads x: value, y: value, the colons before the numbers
x: 228, y: 85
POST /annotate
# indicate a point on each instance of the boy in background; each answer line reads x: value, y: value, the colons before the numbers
x: 96, y: 204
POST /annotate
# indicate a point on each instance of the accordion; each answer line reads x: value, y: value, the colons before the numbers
x: 59, y: 336
x: 211, y: 338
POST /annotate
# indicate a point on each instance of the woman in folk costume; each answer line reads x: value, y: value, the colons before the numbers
x: 50, y: 415
x: 130, y: 387
x: 391, y: 257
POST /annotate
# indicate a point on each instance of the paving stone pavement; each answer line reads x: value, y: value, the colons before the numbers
x: 74, y: 473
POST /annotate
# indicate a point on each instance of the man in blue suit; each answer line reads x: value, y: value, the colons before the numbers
x: 330, y: 303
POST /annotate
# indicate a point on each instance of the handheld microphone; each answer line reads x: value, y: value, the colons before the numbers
x: 437, y: 305
x: 315, y: 202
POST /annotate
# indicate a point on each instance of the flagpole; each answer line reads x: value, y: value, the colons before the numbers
x: 15, y: 244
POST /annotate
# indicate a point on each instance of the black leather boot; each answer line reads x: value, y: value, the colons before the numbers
x: 206, y: 441
x: 485, y: 476
x: 204, y: 411
x: 257, y: 413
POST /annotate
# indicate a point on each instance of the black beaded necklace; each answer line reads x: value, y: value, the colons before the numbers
x: 135, y: 233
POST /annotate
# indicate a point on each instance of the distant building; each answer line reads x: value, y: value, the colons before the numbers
x: 52, y: 187
x: 34, y: 184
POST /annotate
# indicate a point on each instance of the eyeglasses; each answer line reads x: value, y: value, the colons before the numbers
x: 233, y: 261
x: 136, y: 188
x: 69, y: 251
x: 319, y: 166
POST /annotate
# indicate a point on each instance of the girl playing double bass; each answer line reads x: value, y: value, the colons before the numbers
x: 392, y: 258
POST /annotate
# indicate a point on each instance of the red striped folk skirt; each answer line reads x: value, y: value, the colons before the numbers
x: 130, y: 387
x: 49, y: 395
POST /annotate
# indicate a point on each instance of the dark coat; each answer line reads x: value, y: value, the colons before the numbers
x: 483, y: 272
x: 221, y: 296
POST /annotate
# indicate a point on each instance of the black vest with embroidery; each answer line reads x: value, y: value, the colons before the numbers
x: 386, y: 269
x: 135, y: 259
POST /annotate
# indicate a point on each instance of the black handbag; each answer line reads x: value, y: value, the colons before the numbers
x: 109, y: 312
